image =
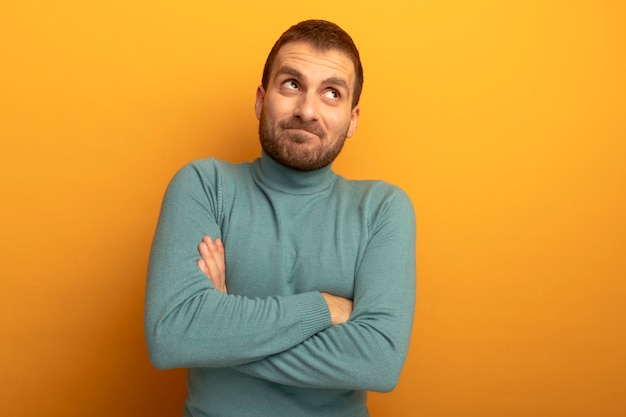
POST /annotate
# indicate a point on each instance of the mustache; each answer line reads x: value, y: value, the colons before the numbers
x: 311, y: 127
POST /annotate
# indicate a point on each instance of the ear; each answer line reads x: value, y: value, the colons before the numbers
x: 354, y: 121
x: 258, y: 104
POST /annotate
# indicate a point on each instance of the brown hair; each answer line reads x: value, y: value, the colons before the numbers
x: 322, y: 35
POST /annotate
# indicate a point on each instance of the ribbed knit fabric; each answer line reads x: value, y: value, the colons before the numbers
x: 268, y: 348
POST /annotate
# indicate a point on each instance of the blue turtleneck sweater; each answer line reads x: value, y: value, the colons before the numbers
x: 267, y: 348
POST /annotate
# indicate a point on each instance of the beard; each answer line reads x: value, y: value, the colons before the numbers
x: 289, y: 148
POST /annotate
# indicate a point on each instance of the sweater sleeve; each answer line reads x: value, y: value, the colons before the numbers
x: 188, y: 323
x: 367, y: 352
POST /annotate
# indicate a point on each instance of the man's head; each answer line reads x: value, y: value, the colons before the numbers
x: 322, y: 35
x: 307, y: 104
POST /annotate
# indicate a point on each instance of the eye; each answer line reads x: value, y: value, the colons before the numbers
x: 332, y: 94
x: 291, y: 85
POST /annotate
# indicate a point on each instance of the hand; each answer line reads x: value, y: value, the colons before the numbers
x: 212, y: 262
x: 340, y: 308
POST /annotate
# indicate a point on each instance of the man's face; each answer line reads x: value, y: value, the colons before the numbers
x: 306, y: 112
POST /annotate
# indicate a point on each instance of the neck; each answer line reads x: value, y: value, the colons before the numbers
x: 277, y: 176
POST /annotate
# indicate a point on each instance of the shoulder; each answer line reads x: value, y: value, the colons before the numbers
x: 205, y: 183
x: 210, y: 170
x: 382, y: 204
x: 375, y: 192
x: 207, y: 167
x: 204, y: 178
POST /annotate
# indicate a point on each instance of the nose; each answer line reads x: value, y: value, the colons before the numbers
x: 307, y: 107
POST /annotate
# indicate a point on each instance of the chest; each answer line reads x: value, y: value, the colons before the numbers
x: 284, y: 244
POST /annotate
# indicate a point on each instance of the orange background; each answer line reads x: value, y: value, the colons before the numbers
x: 504, y: 121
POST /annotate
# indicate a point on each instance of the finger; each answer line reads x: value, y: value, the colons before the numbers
x: 219, y: 245
x: 206, y: 244
x: 209, y: 243
x: 213, y: 251
x: 203, y: 267
x: 213, y: 265
x: 205, y: 251
x: 210, y: 252
x: 216, y: 279
x: 214, y: 262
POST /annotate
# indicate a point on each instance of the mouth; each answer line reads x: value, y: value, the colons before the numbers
x: 301, y: 135
x: 303, y: 130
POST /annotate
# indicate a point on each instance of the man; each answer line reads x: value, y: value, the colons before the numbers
x: 286, y: 289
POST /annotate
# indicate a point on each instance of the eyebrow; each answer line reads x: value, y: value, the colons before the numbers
x: 289, y: 71
x: 340, y: 82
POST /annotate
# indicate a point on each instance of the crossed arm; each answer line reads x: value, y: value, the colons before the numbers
x: 213, y: 264
x: 365, y: 352
x: 289, y: 339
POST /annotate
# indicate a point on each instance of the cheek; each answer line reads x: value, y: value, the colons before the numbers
x: 278, y: 106
x: 334, y: 119
x: 338, y: 122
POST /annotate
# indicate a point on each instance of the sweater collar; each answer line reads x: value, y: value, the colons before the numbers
x: 277, y: 176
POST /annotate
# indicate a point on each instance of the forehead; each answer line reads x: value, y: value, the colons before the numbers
x: 314, y: 63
